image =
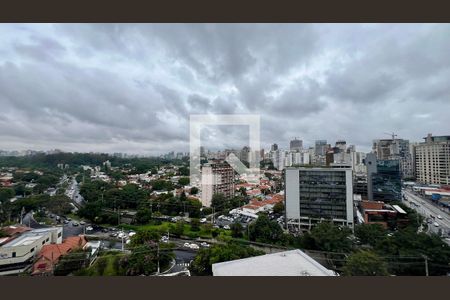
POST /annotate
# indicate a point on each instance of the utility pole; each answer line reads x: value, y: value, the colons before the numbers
x: 157, y: 272
x: 122, y: 241
x: 426, y: 265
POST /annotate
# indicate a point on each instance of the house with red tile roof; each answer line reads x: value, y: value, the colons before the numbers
x: 49, y: 255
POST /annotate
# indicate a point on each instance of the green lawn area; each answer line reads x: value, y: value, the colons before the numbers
x: 164, y: 227
x: 105, y: 265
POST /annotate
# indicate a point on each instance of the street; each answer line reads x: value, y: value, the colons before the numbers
x: 426, y: 209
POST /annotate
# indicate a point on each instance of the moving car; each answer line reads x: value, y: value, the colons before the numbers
x: 187, y: 245
x: 204, y: 244
x: 436, y: 224
x: 194, y: 246
x: 439, y: 217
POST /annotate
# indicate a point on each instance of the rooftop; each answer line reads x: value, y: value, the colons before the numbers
x: 287, y: 263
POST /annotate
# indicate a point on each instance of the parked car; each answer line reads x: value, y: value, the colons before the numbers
x: 203, y: 220
x: 82, y: 223
x: 436, y: 224
x: 89, y: 228
x: 439, y: 217
x: 187, y: 245
x: 66, y: 222
x: 75, y: 224
x: 204, y: 244
x: 226, y: 227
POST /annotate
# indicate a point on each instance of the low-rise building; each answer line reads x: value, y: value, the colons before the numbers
x: 21, y: 245
x: 287, y: 263
x: 50, y: 255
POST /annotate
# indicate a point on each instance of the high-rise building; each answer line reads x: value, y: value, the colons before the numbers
x: 316, y: 194
x: 296, y: 145
x: 387, y: 149
x: 383, y: 179
x: 274, y: 147
x: 278, y: 159
x: 217, y: 178
x: 432, y: 160
x: 321, y: 147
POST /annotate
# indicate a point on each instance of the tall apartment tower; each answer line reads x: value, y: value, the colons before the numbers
x: 274, y: 147
x: 217, y: 178
x: 432, y: 159
x: 313, y: 195
x: 296, y: 145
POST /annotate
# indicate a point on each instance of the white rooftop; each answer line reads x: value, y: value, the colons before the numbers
x: 287, y: 263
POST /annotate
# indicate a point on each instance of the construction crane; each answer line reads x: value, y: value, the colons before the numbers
x: 392, y: 134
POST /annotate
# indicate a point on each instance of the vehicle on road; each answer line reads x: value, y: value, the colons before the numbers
x: 58, y: 218
x: 89, y: 228
x: 433, y: 217
x: 226, y: 227
x: 66, y: 222
x: 75, y: 224
x: 204, y: 244
x: 187, y: 245
x: 439, y: 217
x: 203, y: 220
x: 82, y: 223
x: 194, y: 246
x: 436, y: 224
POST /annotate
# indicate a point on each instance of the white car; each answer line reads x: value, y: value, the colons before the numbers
x: 131, y: 233
x: 121, y: 235
x: 439, y: 217
x: 436, y: 224
x: 89, y: 228
x: 226, y: 227
x: 187, y: 245
x: 204, y: 244
x: 194, y: 246
x: 203, y: 220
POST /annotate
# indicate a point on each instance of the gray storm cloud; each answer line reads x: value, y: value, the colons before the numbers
x: 132, y: 87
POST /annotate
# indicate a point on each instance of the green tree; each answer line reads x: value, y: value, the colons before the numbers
x: 236, y: 230
x: 370, y: 234
x: 183, y: 181
x: 365, y: 263
x: 195, y: 224
x: 326, y: 236
x: 278, y: 208
x: 194, y: 191
x: 205, y: 258
x: 264, y: 230
x: 6, y: 194
x: 143, y: 215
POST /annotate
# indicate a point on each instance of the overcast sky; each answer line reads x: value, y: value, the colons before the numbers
x: 131, y: 88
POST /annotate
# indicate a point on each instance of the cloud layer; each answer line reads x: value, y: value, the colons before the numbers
x: 132, y: 87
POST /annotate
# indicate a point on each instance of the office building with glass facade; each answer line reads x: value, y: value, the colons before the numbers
x: 314, y: 195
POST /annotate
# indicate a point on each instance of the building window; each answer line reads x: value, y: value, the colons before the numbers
x: 32, y: 250
x: 59, y: 234
x: 47, y: 239
x: 43, y: 242
x: 14, y: 254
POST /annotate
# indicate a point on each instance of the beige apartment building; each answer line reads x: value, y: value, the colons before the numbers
x: 217, y: 178
x: 432, y: 160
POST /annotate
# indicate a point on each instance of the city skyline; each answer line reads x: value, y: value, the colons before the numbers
x: 131, y: 88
